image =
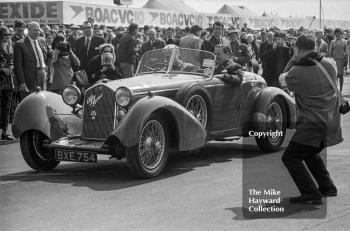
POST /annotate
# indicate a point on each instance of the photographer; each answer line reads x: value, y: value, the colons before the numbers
x: 318, y: 120
x: 276, y: 59
x: 63, y: 61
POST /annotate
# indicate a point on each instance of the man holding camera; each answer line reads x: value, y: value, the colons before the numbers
x: 318, y: 120
x: 275, y: 59
x: 240, y: 52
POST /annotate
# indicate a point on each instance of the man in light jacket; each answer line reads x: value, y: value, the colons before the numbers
x: 192, y: 41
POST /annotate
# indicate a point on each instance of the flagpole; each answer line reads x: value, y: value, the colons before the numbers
x: 320, y: 14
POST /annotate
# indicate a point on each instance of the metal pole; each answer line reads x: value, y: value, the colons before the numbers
x: 320, y: 14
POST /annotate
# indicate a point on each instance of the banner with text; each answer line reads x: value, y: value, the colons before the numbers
x: 123, y: 16
x: 42, y: 12
x: 58, y: 12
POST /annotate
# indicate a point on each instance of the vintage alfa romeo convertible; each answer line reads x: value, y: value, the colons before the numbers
x: 173, y: 103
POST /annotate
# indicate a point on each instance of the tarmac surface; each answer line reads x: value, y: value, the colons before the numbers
x: 207, y: 190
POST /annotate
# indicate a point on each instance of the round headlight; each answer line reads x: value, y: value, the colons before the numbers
x: 71, y: 95
x: 123, y: 96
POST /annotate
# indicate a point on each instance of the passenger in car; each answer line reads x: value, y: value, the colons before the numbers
x: 96, y: 63
x: 178, y: 64
x: 108, y: 70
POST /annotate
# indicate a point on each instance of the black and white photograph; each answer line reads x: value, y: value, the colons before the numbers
x: 174, y: 115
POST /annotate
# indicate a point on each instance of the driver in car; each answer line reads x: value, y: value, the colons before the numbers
x: 224, y: 63
x: 178, y: 64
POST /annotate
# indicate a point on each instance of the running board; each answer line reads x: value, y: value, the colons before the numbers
x: 232, y: 138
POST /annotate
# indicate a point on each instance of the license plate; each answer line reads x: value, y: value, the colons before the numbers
x: 75, y: 156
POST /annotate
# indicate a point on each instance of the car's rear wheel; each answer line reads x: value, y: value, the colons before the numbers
x: 148, y: 158
x: 276, y: 123
x: 197, y: 106
x: 194, y: 101
x: 34, y: 153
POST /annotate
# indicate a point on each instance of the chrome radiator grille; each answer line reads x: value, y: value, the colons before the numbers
x: 99, y: 114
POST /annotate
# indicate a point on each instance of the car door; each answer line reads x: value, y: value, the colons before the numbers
x: 226, y: 105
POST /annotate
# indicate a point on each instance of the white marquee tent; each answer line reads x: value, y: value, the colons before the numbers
x: 171, y: 5
x: 237, y: 11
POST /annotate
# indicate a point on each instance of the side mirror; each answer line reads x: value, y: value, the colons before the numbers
x: 81, y: 78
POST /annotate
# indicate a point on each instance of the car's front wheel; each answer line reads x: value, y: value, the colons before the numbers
x: 148, y: 158
x: 275, y: 126
x: 33, y: 152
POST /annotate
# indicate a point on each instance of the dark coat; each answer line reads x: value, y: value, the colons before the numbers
x: 147, y: 46
x: 93, y: 50
x: 72, y: 41
x: 209, y: 44
x: 175, y: 41
x: 6, y: 61
x: 255, y: 50
x: 264, y: 47
x: 127, y: 49
x: 94, y: 67
x: 240, y: 52
x: 233, y: 75
x: 25, y: 61
x: 275, y: 62
x: 318, y: 118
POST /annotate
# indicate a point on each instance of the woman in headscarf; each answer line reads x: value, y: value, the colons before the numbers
x: 6, y: 80
x: 101, y: 62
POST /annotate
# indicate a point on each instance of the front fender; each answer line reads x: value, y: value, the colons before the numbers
x: 264, y: 97
x: 46, y: 112
x: 191, y: 134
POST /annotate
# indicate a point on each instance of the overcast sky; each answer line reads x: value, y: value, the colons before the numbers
x: 333, y: 9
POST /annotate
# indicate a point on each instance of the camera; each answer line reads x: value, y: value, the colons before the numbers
x: 343, y: 109
x: 64, y: 48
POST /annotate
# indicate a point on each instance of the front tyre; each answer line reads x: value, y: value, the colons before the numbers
x: 148, y: 158
x: 276, y: 121
x: 33, y: 152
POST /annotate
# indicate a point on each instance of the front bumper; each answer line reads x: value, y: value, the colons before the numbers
x: 76, y: 143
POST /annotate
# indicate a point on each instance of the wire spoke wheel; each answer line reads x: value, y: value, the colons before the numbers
x: 148, y: 157
x: 197, y: 107
x: 275, y: 125
x: 152, y: 144
x: 274, y: 120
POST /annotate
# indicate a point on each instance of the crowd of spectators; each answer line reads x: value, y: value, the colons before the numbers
x: 49, y: 55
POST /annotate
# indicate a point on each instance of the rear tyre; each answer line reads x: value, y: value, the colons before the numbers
x: 33, y: 152
x: 276, y: 120
x: 148, y: 158
x: 194, y: 101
